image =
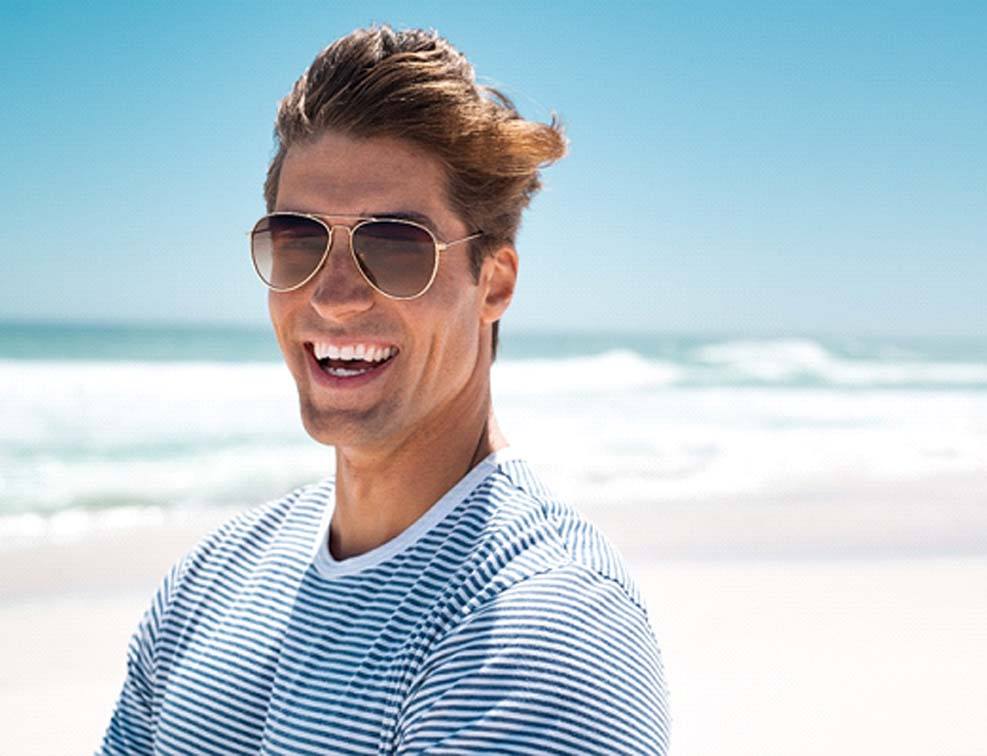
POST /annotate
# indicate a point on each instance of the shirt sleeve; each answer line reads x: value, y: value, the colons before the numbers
x: 131, y: 726
x: 562, y: 663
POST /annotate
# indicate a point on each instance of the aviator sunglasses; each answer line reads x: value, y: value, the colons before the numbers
x: 399, y: 258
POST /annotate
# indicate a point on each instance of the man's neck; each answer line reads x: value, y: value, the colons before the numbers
x: 380, y: 495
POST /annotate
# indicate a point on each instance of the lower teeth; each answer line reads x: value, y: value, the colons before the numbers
x: 345, y: 372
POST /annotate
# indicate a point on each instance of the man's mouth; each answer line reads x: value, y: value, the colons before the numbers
x: 351, y: 360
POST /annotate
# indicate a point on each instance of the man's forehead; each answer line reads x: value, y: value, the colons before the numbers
x: 324, y: 178
x: 372, y: 158
x: 364, y: 171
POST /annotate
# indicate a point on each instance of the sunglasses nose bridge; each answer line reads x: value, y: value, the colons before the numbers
x: 340, y: 286
x: 352, y: 256
x: 347, y: 229
x: 333, y: 227
x: 348, y: 252
x: 327, y: 256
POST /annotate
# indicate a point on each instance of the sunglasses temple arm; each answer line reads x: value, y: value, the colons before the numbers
x: 471, y: 237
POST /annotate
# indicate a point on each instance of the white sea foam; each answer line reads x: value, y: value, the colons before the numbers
x: 98, y: 437
x: 785, y: 360
x: 616, y: 370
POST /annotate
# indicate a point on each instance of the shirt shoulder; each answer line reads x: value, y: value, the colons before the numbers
x: 280, y: 531
x: 561, y: 662
x: 553, y: 651
x: 535, y: 532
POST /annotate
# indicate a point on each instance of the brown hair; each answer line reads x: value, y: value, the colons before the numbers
x: 412, y: 84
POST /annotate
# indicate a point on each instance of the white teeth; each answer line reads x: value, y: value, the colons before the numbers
x: 366, y: 352
x: 345, y: 372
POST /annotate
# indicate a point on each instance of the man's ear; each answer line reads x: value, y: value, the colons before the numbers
x: 498, y: 277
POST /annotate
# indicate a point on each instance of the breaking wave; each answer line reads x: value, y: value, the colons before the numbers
x: 631, y: 424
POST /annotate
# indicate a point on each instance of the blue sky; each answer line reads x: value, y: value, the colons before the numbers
x: 752, y: 168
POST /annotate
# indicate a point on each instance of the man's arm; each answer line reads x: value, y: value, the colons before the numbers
x: 562, y: 663
x: 131, y: 727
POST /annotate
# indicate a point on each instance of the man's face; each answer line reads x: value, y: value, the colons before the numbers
x: 438, y: 367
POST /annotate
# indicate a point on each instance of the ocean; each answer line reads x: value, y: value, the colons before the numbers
x: 111, y: 424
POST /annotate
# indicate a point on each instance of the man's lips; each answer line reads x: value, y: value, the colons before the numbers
x: 350, y: 363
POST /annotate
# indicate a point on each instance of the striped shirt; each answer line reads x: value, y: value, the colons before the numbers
x: 499, y: 622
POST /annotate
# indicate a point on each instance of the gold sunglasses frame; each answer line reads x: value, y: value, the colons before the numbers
x: 323, y: 220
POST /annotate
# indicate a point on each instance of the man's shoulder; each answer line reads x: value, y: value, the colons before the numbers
x: 272, y: 538
x: 532, y: 550
x: 530, y: 519
x: 286, y: 524
x: 566, y: 653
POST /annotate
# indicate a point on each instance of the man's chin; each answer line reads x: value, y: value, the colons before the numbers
x: 336, y: 427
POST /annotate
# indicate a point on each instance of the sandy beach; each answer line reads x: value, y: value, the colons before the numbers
x: 858, y: 627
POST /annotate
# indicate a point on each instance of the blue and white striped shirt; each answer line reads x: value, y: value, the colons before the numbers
x: 498, y: 622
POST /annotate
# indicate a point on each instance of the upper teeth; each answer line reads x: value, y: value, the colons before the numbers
x: 367, y: 352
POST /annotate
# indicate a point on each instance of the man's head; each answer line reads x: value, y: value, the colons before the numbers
x: 391, y: 124
x: 414, y: 85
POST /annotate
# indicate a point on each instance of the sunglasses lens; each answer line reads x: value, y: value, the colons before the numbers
x: 398, y: 258
x: 287, y: 249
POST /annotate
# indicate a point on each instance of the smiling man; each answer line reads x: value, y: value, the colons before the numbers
x: 431, y: 597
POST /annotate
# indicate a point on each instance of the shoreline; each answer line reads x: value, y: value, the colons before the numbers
x: 933, y: 517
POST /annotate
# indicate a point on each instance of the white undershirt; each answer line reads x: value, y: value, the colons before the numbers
x: 330, y: 567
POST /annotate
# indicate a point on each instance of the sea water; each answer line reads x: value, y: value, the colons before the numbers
x: 106, y: 424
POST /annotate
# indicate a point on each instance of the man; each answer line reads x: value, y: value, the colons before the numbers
x: 433, y: 596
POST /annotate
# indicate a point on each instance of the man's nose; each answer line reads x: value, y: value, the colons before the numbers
x: 340, y: 289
